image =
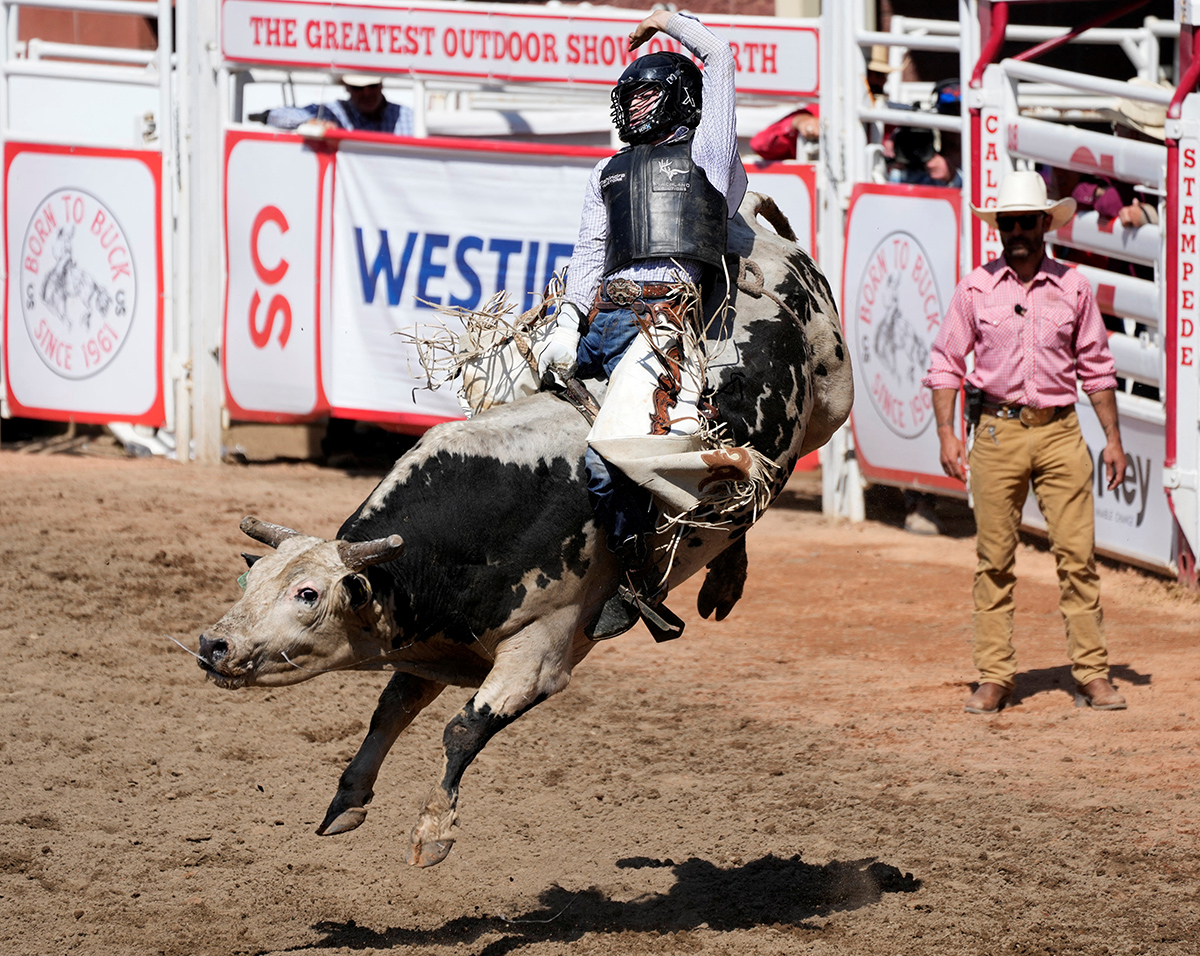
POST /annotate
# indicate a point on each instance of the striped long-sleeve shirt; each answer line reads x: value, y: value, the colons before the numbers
x: 714, y: 149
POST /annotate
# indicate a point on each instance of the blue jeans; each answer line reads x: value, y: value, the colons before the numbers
x: 625, y: 509
x: 607, y: 339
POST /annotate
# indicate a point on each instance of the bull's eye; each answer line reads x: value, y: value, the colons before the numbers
x: 307, y: 596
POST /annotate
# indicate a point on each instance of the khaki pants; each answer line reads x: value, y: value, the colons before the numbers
x: 1005, y: 457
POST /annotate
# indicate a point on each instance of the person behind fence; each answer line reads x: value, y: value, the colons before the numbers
x: 653, y: 226
x: 783, y: 138
x: 1034, y: 327
x: 927, y: 157
x: 365, y: 109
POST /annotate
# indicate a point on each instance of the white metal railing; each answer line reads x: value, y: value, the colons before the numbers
x: 82, y: 66
x: 1088, y: 152
x: 35, y: 49
x: 1020, y: 70
x: 1124, y: 296
x: 138, y: 8
x: 1088, y: 233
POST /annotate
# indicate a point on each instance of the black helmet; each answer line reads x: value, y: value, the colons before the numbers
x: 678, y: 83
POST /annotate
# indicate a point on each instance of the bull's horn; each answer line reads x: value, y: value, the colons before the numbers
x: 267, y: 533
x: 362, y: 554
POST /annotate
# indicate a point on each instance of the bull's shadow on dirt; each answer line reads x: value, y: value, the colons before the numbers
x: 769, y: 891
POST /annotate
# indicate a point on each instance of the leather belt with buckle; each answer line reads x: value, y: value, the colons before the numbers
x: 1029, y: 416
x: 620, y: 293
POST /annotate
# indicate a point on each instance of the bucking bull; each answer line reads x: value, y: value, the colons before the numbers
x: 477, y: 561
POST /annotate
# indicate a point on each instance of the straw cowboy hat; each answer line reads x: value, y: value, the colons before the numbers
x: 1146, y: 118
x: 879, y: 61
x: 360, y: 80
x: 1025, y: 191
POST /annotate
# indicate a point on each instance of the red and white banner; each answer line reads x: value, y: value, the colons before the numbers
x: 793, y: 186
x: 277, y: 216
x: 83, y: 290
x: 333, y: 250
x: 498, y: 42
x: 901, y: 268
x: 1183, y: 332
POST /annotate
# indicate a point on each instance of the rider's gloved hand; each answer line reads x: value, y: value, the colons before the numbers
x: 559, y: 353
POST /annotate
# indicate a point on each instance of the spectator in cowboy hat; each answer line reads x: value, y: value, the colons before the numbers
x: 1035, y: 331
x: 366, y: 110
x: 878, y: 70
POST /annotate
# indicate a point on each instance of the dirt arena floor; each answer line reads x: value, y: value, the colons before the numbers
x: 797, y: 779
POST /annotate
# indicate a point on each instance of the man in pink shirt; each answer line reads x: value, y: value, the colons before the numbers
x: 1034, y: 327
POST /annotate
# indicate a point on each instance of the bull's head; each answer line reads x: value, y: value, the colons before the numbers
x: 308, y: 609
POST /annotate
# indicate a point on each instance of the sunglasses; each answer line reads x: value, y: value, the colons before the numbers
x: 1027, y: 221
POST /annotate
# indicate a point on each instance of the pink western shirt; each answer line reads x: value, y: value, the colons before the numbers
x: 1029, y: 344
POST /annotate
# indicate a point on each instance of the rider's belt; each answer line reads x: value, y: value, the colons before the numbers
x: 621, y: 293
x: 1028, y: 415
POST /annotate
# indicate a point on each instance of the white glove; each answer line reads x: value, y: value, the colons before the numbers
x: 559, y: 353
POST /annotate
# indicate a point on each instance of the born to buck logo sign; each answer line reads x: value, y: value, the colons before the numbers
x: 83, y: 333
x: 78, y: 287
x: 897, y: 313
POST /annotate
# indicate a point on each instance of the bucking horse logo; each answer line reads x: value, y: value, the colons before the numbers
x: 66, y: 281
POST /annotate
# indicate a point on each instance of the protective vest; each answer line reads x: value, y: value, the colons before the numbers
x: 660, y: 206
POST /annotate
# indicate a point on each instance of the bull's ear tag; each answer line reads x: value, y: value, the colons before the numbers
x: 242, y: 579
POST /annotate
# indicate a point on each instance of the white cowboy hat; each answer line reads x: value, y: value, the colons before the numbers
x: 1025, y: 191
x: 1147, y: 118
x: 360, y: 80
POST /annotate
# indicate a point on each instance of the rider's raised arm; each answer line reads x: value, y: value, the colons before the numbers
x: 715, y: 146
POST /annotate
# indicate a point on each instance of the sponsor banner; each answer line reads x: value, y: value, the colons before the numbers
x: 498, y: 42
x: 419, y: 228
x: 1133, y: 521
x: 83, y: 296
x: 276, y: 205
x: 901, y: 268
x: 322, y: 279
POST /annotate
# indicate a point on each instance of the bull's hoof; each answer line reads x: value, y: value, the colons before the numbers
x: 341, y: 821
x: 430, y: 854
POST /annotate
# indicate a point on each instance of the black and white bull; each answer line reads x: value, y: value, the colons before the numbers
x: 477, y: 562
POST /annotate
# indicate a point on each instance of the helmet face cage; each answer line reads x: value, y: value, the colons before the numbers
x: 678, y: 83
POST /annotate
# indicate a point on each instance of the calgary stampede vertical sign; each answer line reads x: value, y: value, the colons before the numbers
x: 83, y: 322
x: 900, y: 270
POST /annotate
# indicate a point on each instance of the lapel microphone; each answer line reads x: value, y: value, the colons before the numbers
x: 1019, y: 309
